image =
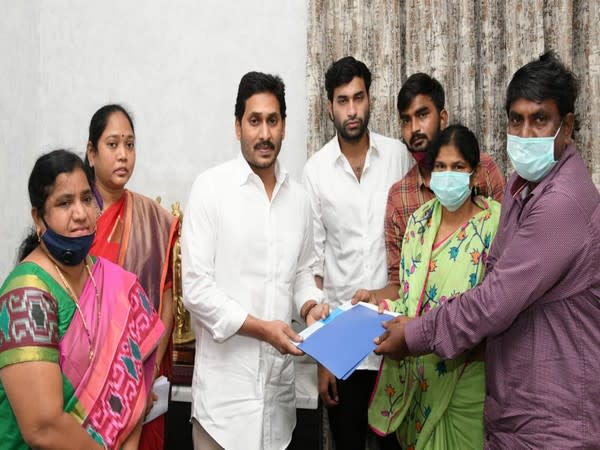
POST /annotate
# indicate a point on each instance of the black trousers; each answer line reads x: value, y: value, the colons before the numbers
x: 348, y: 419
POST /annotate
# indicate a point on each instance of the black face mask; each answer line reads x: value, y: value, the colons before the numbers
x: 69, y: 251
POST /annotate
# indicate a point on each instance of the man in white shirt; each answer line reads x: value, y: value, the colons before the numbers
x: 348, y: 182
x: 246, y: 257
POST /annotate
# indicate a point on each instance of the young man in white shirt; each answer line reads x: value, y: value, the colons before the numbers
x: 348, y: 182
x: 246, y: 257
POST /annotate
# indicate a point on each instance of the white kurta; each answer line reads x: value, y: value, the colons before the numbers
x: 242, y: 254
x: 348, y: 217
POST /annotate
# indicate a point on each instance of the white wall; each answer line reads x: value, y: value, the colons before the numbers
x: 174, y: 65
x: 19, y: 119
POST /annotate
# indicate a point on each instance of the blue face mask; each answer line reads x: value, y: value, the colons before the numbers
x: 451, y: 188
x: 533, y: 157
x: 69, y: 251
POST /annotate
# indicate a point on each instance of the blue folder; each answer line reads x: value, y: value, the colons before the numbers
x: 345, y: 338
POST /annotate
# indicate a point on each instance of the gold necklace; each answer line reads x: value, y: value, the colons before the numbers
x: 73, y: 297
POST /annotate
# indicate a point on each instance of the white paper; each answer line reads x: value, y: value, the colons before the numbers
x: 345, y: 306
x: 161, y: 405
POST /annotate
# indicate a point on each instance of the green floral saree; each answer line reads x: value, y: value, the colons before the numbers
x: 432, y: 403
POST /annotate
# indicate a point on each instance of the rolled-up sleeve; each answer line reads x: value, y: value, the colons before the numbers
x: 206, y: 302
x: 531, y: 261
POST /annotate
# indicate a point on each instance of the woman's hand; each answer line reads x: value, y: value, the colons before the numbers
x: 150, y: 403
x: 376, y: 296
x: 366, y: 296
x: 371, y: 297
x: 167, y: 317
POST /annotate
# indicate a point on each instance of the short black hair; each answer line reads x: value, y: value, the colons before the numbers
x: 460, y: 137
x: 421, y: 84
x: 343, y: 72
x: 257, y: 83
x: 545, y: 78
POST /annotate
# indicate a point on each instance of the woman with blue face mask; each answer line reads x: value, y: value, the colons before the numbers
x: 429, y: 402
x: 78, y: 334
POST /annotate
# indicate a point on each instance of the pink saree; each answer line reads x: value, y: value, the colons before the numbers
x: 111, y: 390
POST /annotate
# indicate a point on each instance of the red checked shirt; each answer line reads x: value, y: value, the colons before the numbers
x: 405, y: 197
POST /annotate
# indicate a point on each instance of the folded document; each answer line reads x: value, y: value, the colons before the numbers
x: 161, y: 405
x: 341, y: 341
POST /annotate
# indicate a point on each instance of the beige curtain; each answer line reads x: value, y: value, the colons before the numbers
x: 471, y: 47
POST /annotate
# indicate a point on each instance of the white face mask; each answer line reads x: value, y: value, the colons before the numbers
x: 451, y: 188
x: 532, y: 157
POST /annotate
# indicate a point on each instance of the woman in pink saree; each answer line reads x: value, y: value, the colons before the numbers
x: 78, y: 335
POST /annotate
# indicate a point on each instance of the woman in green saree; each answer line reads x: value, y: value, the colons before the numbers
x: 78, y: 335
x: 429, y: 402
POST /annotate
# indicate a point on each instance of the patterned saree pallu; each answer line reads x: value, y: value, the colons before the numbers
x: 111, y: 392
x: 430, y: 402
x: 104, y: 345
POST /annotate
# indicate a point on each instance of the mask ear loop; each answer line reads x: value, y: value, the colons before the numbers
x: 558, y: 131
x: 38, y: 231
x: 475, y: 191
x: 44, y: 222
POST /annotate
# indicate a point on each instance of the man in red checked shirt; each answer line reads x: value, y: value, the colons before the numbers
x: 422, y: 117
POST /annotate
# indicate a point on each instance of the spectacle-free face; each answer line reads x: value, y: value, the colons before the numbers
x: 450, y: 158
x: 528, y: 118
x: 261, y: 130
x: 114, y: 159
x: 350, y: 109
x: 70, y: 209
x: 421, y: 122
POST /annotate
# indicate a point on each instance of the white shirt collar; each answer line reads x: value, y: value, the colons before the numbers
x: 244, y: 172
x: 337, y: 154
